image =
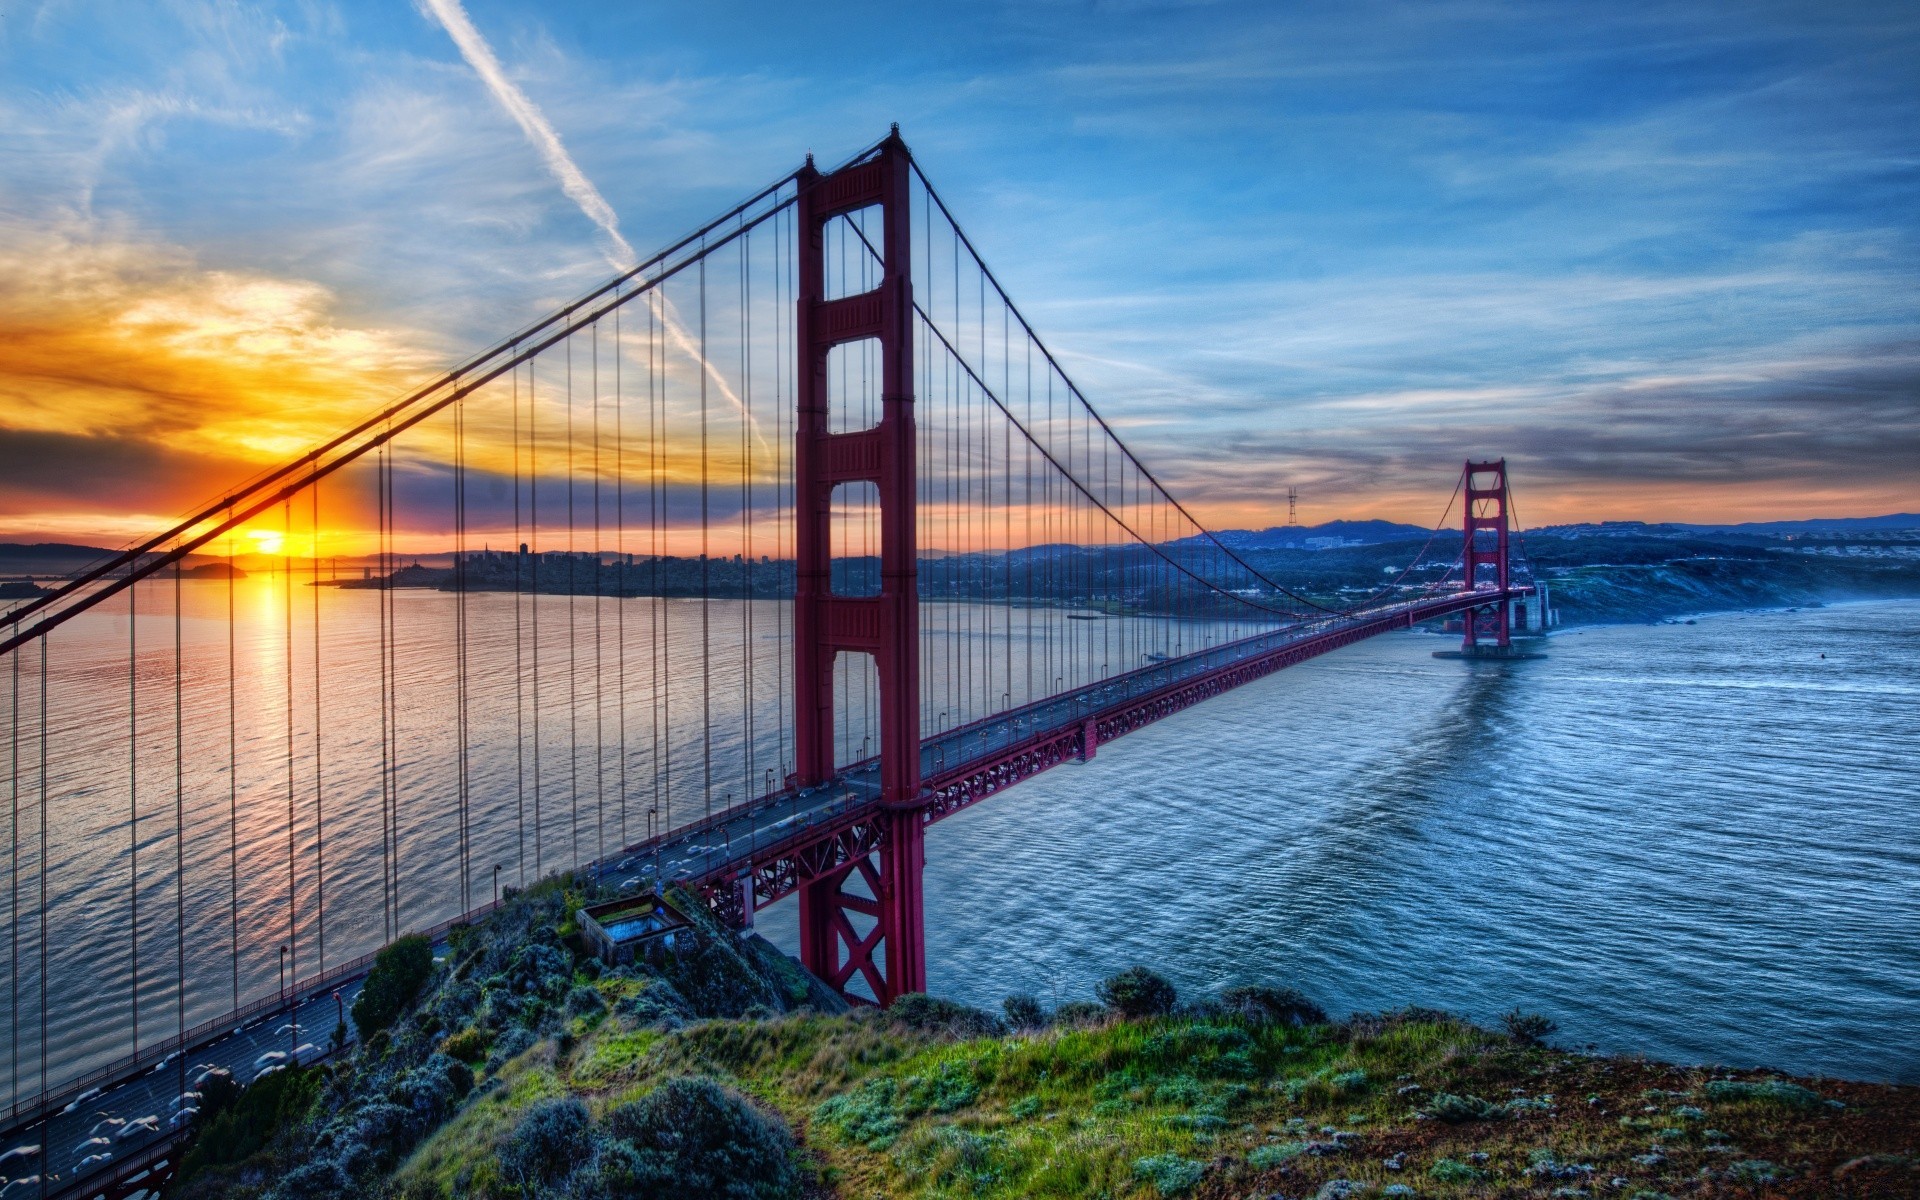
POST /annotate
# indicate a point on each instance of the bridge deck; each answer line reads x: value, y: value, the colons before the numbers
x: 766, y: 838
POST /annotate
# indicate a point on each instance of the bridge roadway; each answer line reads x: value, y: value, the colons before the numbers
x: 790, y: 835
x: 776, y: 841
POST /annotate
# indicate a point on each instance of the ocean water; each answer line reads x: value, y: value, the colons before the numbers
x: 1697, y: 842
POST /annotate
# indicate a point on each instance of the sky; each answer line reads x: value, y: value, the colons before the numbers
x: 1662, y: 257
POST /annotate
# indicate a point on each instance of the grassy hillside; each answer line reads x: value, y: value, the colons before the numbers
x: 560, y: 1080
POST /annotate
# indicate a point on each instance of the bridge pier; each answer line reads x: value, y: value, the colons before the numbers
x: 890, y: 955
x: 877, y: 937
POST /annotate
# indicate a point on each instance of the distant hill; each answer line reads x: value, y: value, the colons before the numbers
x: 1893, y: 522
x: 1819, y: 525
x: 1298, y: 537
x: 47, y: 558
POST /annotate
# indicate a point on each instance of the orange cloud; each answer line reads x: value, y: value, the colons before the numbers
x: 135, y: 383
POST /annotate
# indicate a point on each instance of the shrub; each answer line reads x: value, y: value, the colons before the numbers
x: 511, y: 1045
x: 1137, y: 992
x: 1169, y: 1174
x: 1770, y: 1091
x: 1079, y: 1013
x: 399, y: 972
x: 931, y: 1014
x: 1455, y: 1110
x: 948, y: 1089
x: 1756, y: 1171
x: 386, y: 1130
x: 865, y: 1115
x: 433, y: 1088
x: 1452, y: 1170
x: 583, y: 1000
x: 1529, y: 1029
x: 548, y: 1141
x: 469, y: 1045
x: 1272, y: 1006
x: 250, y: 1120
x: 692, y: 1137
x: 1024, y: 1012
x: 1275, y: 1154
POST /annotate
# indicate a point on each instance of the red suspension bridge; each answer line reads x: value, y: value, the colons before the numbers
x: 793, y: 539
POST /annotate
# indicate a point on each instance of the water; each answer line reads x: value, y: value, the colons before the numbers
x: 1694, y: 842
x: 1690, y: 841
x: 314, y: 812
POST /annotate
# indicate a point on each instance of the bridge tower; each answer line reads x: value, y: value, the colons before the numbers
x: 890, y: 955
x: 1487, y: 509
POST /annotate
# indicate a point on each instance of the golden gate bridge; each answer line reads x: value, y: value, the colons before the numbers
x: 794, y: 538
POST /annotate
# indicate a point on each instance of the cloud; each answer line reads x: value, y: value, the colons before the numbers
x: 108, y: 343
x: 573, y: 181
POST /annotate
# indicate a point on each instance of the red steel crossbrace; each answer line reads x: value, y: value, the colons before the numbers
x: 1487, y: 509
x: 890, y: 955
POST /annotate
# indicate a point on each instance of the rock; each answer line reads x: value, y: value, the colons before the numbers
x: 1396, y: 1163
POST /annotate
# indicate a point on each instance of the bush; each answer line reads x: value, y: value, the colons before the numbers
x: 1169, y: 1174
x: 1137, y: 992
x: 1272, y: 1006
x: 583, y: 1000
x: 548, y: 1141
x: 511, y: 1045
x: 1276, y: 1153
x: 433, y: 1088
x: 250, y: 1120
x: 399, y: 972
x: 931, y: 1014
x: 1079, y: 1013
x: 1452, y: 1170
x: 1456, y: 1110
x: 692, y: 1137
x: 469, y: 1045
x: 1024, y: 1012
x: 1771, y: 1091
x: 866, y: 1115
x: 1529, y: 1029
x: 386, y: 1130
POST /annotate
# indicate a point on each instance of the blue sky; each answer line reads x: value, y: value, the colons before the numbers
x: 1663, y: 256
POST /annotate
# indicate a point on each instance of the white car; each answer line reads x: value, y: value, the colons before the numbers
x: 138, y: 1127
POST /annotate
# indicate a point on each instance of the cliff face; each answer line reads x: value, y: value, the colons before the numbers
x: 523, y: 1070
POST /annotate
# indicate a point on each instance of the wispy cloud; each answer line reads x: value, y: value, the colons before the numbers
x: 572, y: 180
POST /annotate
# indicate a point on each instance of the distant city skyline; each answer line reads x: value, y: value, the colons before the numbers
x: 1661, y: 257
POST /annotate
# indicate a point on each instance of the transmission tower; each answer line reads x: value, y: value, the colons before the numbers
x: 1293, y: 506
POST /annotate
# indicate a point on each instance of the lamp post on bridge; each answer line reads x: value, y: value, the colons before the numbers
x: 293, y: 1032
x: 496, y: 885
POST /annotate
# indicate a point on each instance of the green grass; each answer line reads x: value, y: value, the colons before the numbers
x: 1177, y: 1106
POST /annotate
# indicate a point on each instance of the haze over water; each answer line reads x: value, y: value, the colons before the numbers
x: 1692, y: 842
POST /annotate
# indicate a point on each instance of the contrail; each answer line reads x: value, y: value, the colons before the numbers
x: 573, y: 181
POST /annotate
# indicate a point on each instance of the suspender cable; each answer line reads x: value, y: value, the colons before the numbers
x: 293, y: 892
x: 233, y: 785
x: 599, y: 733
x: 706, y: 570
x: 533, y: 602
x: 519, y: 669
x: 133, y: 818
x: 179, y: 839
x: 573, y: 643
x: 319, y: 784
x: 620, y: 558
